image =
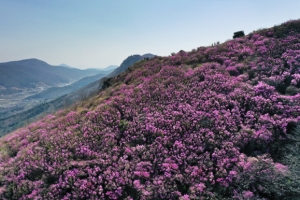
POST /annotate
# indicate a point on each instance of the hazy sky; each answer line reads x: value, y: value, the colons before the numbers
x: 98, y: 33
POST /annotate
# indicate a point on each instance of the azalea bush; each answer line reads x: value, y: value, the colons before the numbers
x: 214, y: 123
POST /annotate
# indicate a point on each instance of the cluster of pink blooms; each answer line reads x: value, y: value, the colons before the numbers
x: 204, y: 124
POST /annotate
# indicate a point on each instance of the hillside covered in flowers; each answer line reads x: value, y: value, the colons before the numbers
x: 218, y: 122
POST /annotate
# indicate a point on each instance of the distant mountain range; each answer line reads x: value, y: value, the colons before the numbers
x: 55, y: 92
x: 95, y: 86
x: 110, y: 67
x: 65, y: 65
x: 11, y: 123
x: 32, y: 73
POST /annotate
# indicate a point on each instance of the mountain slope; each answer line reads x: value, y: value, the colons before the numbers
x: 110, y: 67
x: 33, y: 73
x: 13, y: 122
x: 216, y: 123
x: 128, y: 62
x: 55, y: 92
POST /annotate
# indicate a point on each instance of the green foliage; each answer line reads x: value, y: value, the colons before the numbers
x: 291, y: 158
x: 11, y: 152
x: 122, y: 125
x: 292, y: 90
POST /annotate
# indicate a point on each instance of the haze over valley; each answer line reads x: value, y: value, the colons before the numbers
x: 21, y: 80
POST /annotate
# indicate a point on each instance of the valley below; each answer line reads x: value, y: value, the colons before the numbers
x: 14, y: 103
x: 21, y: 108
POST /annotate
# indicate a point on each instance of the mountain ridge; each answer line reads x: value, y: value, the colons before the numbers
x: 32, y: 73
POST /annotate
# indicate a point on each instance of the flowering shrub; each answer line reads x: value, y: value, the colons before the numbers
x: 168, y: 130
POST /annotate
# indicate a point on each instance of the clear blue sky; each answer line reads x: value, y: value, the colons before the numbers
x: 98, y: 33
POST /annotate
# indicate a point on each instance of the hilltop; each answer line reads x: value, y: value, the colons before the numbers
x: 218, y: 122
